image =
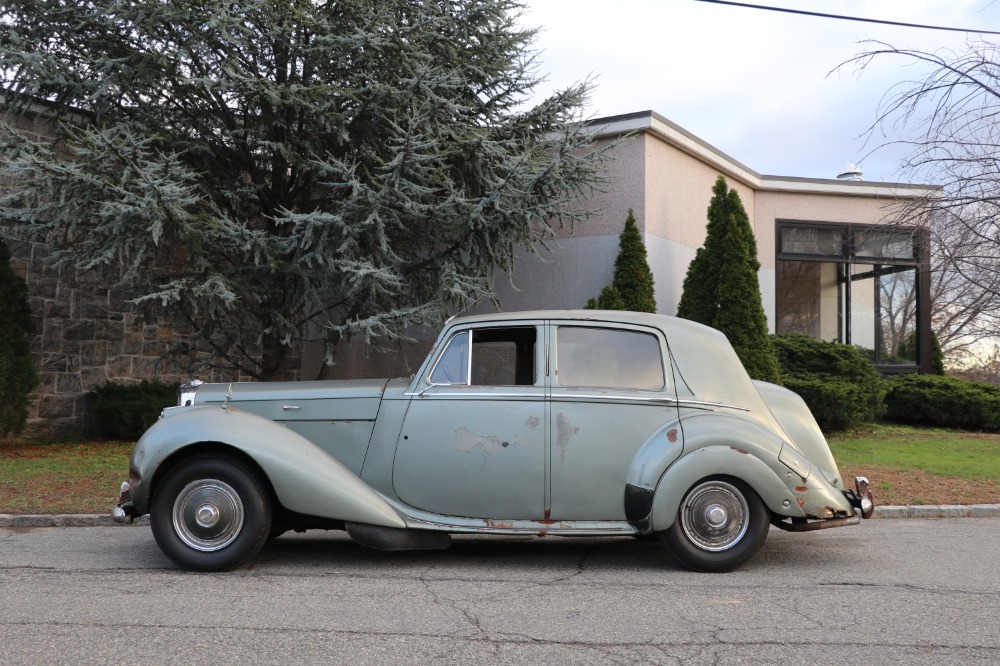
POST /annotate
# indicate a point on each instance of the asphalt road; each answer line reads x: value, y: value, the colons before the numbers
x: 886, y: 592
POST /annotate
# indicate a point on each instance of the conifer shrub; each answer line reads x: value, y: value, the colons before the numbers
x: 125, y: 411
x: 721, y: 288
x: 948, y: 402
x: 632, y: 286
x: 17, y: 372
x: 840, y: 386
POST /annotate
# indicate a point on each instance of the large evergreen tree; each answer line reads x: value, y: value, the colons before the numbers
x: 632, y: 286
x: 266, y: 169
x: 721, y: 289
x: 17, y: 374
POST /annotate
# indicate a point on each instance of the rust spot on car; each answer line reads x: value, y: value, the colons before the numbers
x: 739, y: 450
x: 672, y: 435
x: 499, y: 524
x: 801, y: 502
x: 548, y: 514
x: 801, y: 489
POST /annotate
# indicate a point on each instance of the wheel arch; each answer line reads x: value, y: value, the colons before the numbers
x: 721, y: 461
x: 209, y: 448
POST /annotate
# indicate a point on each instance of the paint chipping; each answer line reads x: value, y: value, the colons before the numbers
x: 564, y: 433
x: 739, y: 450
x: 532, y: 422
x: 672, y: 435
x: 468, y: 442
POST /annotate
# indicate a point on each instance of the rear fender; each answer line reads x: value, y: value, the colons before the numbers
x: 714, y: 461
x: 305, y: 478
x: 721, y: 445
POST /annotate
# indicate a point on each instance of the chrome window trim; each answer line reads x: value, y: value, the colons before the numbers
x: 437, y: 361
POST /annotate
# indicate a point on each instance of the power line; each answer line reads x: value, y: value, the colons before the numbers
x: 846, y: 18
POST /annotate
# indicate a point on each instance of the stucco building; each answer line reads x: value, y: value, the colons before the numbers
x: 834, y: 262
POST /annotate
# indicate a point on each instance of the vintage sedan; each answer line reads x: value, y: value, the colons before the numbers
x: 562, y: 423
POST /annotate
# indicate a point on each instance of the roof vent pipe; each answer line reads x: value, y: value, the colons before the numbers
x: 851, y: 171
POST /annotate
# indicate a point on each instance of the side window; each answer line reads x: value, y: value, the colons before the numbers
x: 608, y: 358
x: 499, y: 357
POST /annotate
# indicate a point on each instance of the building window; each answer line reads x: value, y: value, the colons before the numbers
x: 852, y: 284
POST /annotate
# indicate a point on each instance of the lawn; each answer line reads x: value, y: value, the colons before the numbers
x: 906, y: 466
x: 78, y: 477
x: 922, y: 465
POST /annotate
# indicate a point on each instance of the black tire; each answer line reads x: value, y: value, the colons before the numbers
x: 720, y: 525
x: 211, y: 513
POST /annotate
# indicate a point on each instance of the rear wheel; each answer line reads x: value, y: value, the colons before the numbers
x: 721, y: 524
x: 211, y: 513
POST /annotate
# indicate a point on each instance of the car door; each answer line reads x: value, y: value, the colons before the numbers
x: 609, y: 393
x: 473, y: 440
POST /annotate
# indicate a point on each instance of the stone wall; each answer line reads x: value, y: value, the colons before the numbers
x: 87, y: 333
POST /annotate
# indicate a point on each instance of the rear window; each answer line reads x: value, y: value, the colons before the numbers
x: 608, y: 358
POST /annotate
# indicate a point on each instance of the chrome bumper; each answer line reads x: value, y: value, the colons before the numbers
x: 125, y: 511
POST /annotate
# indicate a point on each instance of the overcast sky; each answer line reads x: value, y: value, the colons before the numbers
x: 755, y: 84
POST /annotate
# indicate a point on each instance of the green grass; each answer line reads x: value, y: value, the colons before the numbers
x: 960, y: 454
x: 62, y: 477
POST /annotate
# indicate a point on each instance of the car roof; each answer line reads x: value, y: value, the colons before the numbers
x: 663, y: 322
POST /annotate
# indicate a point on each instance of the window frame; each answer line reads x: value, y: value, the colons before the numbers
x: 538, y: 359
x: 623, y: 327
x: 848, y: 259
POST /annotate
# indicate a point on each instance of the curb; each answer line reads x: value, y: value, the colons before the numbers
x: 65, y: 520
x: 104, y: 520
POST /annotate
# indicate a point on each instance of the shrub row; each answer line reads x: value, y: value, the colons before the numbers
x: 943, y: 401
x: 124, y: 411
x: 842, y: 389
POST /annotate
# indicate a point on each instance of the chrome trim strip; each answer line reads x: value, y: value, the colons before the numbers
x: 562, y: 397
x: 474, y: 394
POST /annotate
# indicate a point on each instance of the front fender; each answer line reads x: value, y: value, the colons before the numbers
x: 305, y: 478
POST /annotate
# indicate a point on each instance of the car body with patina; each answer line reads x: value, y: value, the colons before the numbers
x: 563, y: 423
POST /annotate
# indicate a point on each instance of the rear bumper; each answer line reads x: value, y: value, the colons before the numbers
x: 860, y: 498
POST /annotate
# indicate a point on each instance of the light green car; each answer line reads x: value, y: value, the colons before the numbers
x: 564, y: 423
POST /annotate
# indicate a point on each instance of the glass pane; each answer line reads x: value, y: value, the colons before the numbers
x: 898, y: 315
x: 453, y: 366
x: 503, y: 357
x: 808, y: 296
x: 862, y: 309
x: 602, y: 357
x: 884, y: 244
x: 800, y: 240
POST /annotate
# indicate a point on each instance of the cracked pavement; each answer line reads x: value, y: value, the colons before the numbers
x: 901, y: 591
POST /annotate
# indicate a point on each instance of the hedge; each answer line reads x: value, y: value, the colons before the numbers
x: 843, y: 390
x: 125, y: 411
x: 943, y: 401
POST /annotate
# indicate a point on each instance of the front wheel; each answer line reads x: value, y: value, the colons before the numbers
x: 721, y: 524
x: 211, y: 513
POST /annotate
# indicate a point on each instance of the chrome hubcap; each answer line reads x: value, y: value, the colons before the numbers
x: 714, y: 516
x: 208, y: 515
